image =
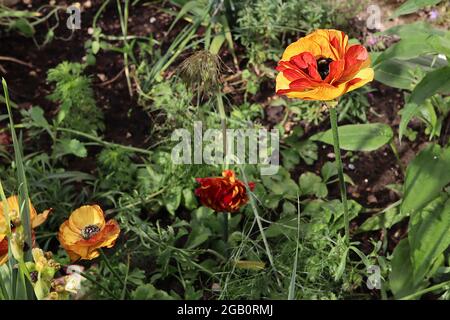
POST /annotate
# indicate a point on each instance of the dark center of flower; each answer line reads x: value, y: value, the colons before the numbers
x: 34, y: 276
x: 323, y: 66
x: 89, y: 231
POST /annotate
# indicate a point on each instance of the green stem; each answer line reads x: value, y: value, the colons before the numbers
x: 337, y: 152
x: 223, y: 121
x: 105, y: 143
x: 430, y: 289
x: 225, y: 227
x: 91, y: 279
x: 260, y: 226
x: 110, y: 267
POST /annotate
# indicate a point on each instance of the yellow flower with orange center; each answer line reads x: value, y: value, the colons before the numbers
x: 322, y: 66
x: 86, y: 231
x: 14, y: 215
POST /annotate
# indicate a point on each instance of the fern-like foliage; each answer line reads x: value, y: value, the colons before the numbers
x: 73, y: 92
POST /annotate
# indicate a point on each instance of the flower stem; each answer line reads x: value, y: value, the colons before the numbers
x: 337, y: 152
x: 225, y: 227
x: 92, y: 279
x: 110, y: 267
x: 223, y: 121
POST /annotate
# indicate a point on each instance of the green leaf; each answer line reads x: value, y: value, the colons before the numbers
x: 395, y: 73
x: 24, y: 27
x: 290, y: 158
x: 311, y: 184
x: 411, y: 30
x: 173, y: 199
x: 197, y: 236
x: 281, y: 184
x: 37, y: 115
x: 217, y: 43
x: 70, y: 146
x: 408, y: 48
x: 429, y: 236
x: 412, y: 6
x: 358, y: 137
x: 149, y: 292
x: 437, y: 81
x: 189, y: 199
x: 401, y: 276
x: 328, y: 170
x: 425, y: 177
x: 95, y: 47
x: 441, y: 43
x: 385, y: 219
x: 407, y: 113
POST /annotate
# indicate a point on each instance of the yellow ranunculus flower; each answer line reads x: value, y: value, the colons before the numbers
x: 13, y: 206
x: 86, y: 231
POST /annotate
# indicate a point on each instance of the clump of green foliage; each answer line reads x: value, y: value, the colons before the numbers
x: 73, y: 91
x: 265, y: 26
x: 116, y: 169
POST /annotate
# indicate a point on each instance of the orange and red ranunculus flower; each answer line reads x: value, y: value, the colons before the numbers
x: 223, y: 194
x: 322, y: 66
x: 86, y: 231
x: 13, y: 206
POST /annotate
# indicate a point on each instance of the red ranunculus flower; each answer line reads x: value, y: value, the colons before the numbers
x: 223, y: 194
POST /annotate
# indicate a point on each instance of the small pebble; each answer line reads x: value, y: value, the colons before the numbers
x: 351, y: 166
x: 331, y: 155
x: 152, y: 19
x: 216, y: 287
x: 372, y: 199
x: 102, y: 77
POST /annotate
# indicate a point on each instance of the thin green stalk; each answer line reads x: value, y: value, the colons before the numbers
x: 291, y: 294
x: 223, y: 122
x: 110, y: 267
x: 225, y: 227
x: 91, y: 279
x: 260, y: 226
x: 23, y: 186
x: 337, y: 152
x: 99, y: 12
x: 124, y: 289
x: 123, y: 16
x: 105, y: 143
x: 430, y: 289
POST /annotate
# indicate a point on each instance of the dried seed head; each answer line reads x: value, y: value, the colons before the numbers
x: 201, y: 71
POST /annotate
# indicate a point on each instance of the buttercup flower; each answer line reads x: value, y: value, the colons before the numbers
x: 223, y: 194
x: 86, y: 231
x: 14, y: 215
x: 322, y: 66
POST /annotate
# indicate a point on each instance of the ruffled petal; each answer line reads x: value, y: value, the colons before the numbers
x: 87, y: 215
x: 40, y: 218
